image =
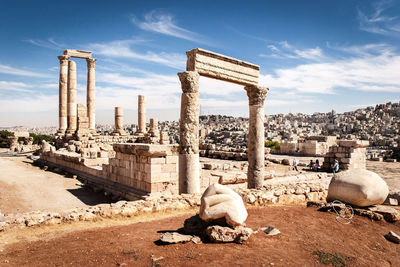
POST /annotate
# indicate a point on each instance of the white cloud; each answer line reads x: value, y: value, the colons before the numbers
x: 122, y: 49
x: 49, y: 43
x: 378, y: 21
x: 14, y: 86
x: 164, y: 24
x: 376, y: 70
x: 21, y: 72
x: 285, y: 50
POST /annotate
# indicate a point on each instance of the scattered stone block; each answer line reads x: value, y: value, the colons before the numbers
x: 220, y: 234
x: 271, y: 231
x: 175, y: 237
x: 393, y: 237
x: 391, y: 201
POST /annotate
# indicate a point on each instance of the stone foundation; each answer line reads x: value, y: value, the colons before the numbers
x: 135, y: 171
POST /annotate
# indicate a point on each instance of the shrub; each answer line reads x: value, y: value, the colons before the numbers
x: 274, y: 145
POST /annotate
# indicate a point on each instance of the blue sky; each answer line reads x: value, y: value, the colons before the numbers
x: 313, y: 55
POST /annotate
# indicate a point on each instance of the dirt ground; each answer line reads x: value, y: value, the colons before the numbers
x: 24, y: 187
x: 307, y: 236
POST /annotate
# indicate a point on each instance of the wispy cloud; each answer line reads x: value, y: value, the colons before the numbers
x: 49, y: 43
x: 374, y: 69
x: 123, y: 49
x: 21, y: 72
x: 285, y: 50
x: 155, y: 21
x: 14, y: 86
x: 378, y: 21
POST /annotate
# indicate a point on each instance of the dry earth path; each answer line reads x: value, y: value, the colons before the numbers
x: 24, y: 187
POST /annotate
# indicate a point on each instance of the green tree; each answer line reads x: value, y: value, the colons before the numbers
x: 37, y: 138
x: 4, y: 142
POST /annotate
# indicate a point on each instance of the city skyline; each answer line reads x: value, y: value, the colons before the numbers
x: 314, y: 56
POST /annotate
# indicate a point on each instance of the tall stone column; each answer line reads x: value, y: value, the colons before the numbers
x: 91, y: 93
x: 255, y: 142
x: 62, y: 95
x: 71, y: 98
x: 189, y: 165
x: 141, y: 114
x: 119, y: 121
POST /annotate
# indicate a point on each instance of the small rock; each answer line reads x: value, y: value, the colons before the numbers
x: 196, y: 240
x: 393, y: 237
x: 391, y: 201
x: 271, y: 231
x: 390, y: 214
x: 174, y: 238
x: 220, y: 234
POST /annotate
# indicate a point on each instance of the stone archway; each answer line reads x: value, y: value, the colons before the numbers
x: 216, y: 66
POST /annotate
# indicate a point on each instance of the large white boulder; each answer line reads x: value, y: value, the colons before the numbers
x: 219, y: 201
x: 358, y: 187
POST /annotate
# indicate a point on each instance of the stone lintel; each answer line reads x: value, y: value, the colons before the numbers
x: 78, y: 53
x: 147, y: 149
x: 221, y: 67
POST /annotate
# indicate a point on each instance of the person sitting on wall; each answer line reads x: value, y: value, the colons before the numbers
x: 311, y: 165
x: 316, y: 166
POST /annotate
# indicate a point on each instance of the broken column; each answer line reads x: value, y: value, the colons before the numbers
x: 71, y: 98
x: 119, y: 121
x: 63, y: 87
x: 141, y: 114
x: 255, y: 143
x: 91, y: 93
x: 154, y: 132
x: 189, y: 166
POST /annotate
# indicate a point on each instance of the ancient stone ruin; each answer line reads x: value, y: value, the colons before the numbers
x: 216, y: 66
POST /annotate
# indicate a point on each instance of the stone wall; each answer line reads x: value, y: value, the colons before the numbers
x: 137, y: 169
x: 314, y: 146
x: 351, y: 154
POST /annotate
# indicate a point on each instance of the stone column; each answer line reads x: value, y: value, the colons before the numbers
x: 189, y: 165
x: 255, y: 142
x: 154, y: 132
x: 71, y: 98
x: 119, y: 121
x: 62, y: 95
x: 141, y: 114
x: 91, y: 93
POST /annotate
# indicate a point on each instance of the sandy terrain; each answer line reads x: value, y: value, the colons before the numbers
x: 24, y: 187
x: 305, y: 234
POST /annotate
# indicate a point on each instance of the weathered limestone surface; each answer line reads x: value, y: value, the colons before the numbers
x: 141, y: 114
x: 63, y: 87
x: 189, y: 173
x: 119, y: 121
x: 91, y: 93
x: 221, y: 67
x: 77, y: 53
x: 71, y: 95
x: 255, y: 147
x: 154, y: 132
x: 219, y: 201
x: 358, y: 187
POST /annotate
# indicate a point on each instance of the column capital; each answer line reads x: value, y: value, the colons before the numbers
x: 63, y: 58
x: 189, y: 81
x: 256, y: 94
x: 91, y: 62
